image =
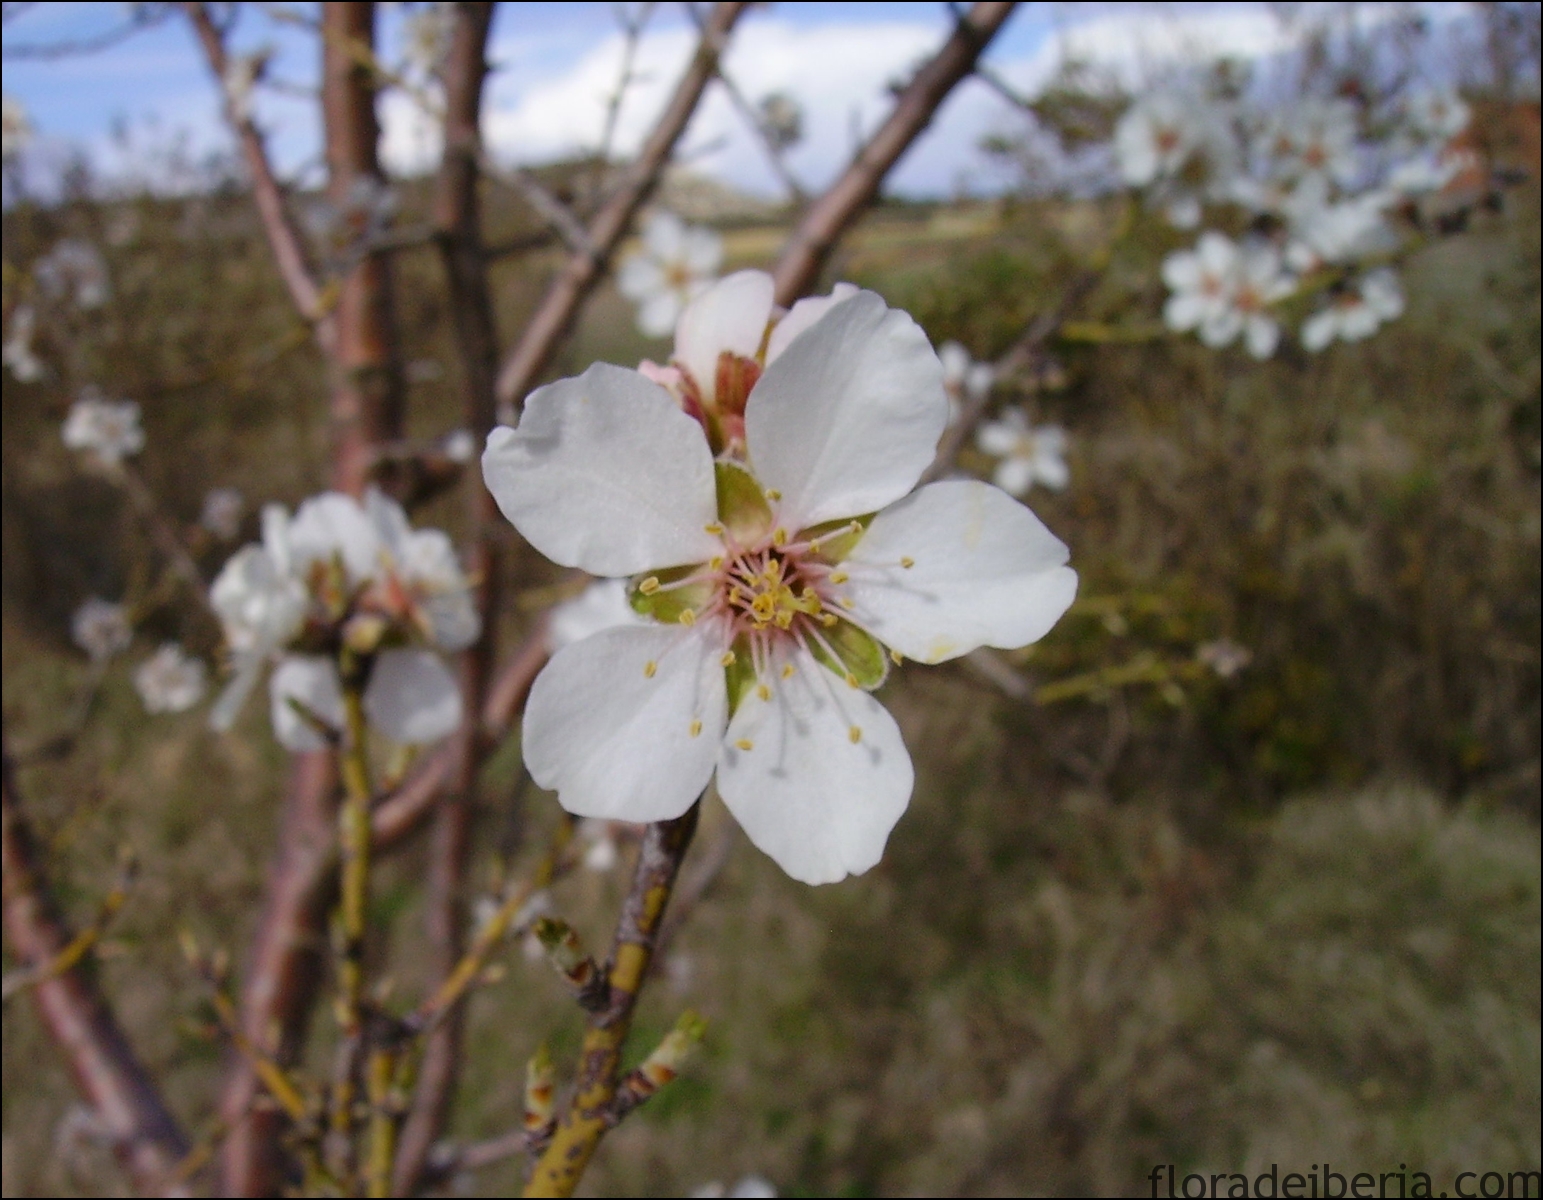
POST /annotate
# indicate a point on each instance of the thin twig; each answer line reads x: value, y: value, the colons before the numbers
x: 561, y: 219
x: 582, y: 273
x: 145, y: 1136
x: 799, y: 265
x: 632, y: 29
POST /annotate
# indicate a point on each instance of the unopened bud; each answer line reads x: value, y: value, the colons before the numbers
x: 562, y: 946
x: 539, y: 1077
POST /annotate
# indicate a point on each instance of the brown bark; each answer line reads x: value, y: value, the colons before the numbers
x: 145, y: 1136
x: 798, y: 267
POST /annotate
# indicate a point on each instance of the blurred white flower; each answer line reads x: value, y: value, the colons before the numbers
x: 1156, y: 136
x: 242, y: 74
x: 1437, y: 114
x: 411, y: 698
x: 1355, y: 312
x: 101, y: 628
x: 1029, y: 455
x: 74, y: 268
x: 600, y: 837
x: 364, y: 215
x: 751, y: 1187
x: 1341, y: 232
x: 106, y: 428
x: 426, y: 37
x: 776, y: 602
x: 602, y: 605
x: 1221, y: 290
x: 964, y: 379
x: 1314, y: 138
x: 1426, y: 172
x: 15, y: 127
x: 459, y: 446
x: 222, y: 511
x: 1224, y: 657
x: 675, y: 265
x: 170, y: 681
x: 17, y: 352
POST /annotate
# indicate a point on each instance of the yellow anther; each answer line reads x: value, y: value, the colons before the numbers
x: 763, y: 691
x: 784, y: 619
x: 715, y: 529
x: 745, y: 744
x: 727, y: 660
x: 845, y: 601
x: 828, y: 619
x: 687, y: 617
x: 787, y: 671
x: 839, y: 577
x: 897, y: 656
x: 907, y: 563
x: 851, y: 680
x: 649, y: 586
x: 773, y: 494
x: 854, y: 735
x: 779, y: 536
x: 696, y: 728
x: 649, y: 668
x: 715, y: 562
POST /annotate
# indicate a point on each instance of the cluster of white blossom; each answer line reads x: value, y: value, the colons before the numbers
x: 101, y: 628
x: 170, y: 681
x: 755, y: 501
x: 107, y: 429
x: 675, y: 264
x: 342, y: 574
x: 426, y: 34
x: 1323, y: 187
x: 74, y: 269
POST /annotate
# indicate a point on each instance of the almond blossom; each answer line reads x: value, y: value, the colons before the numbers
x: 108, y: 429
x: 345, y: 572
x: 169, y: 681
x: 778, y: 585
x: 1222, y: 289
x: 674, y: 266
x: 964, y: 379
x: 1437, y: 114
x: 1029, y: 454
x: 101, y: 628
x: 1355, y: 312
x: 221, y: 514
x: 74, y: 268
x: 1317, y: 138
x: 1177, y: 145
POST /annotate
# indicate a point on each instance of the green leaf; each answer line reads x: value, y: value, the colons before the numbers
x: 742, y: 507
x: 856, y: 654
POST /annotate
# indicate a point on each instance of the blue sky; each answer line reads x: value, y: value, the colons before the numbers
x: 558, y: 60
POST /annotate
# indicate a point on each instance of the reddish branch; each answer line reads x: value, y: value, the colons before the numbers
x: 145, y: 1136
x: 283, y: 237
x: 583, y: 272
x: 458, y: 220
x: 798, y: 268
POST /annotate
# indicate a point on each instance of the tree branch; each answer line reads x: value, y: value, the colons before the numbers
x: 146, y: 1137
x: 583, y: 272
x: 798, y: 267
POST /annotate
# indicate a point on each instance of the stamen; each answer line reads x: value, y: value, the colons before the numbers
x: 687, y: 617
x: 844, y: 601
x: 763, y: 691
x: 773, y: 494
x: 787, y: 671
x: 828, y: 619
x: 897, y: 656
x: 907, y: 562
x: 649, y: 586
x: 851, y: 680
x: 839, y: 577
x: 779, y: 536
x: 854, y: 735
x: 696, y: 728
x: 715, y: 563
x: 745, y: 744
x: 715, y: 529
x: 649, y: 668
x: 727, y: 660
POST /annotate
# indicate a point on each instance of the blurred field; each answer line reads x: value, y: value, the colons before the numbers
x: 1288, y: 917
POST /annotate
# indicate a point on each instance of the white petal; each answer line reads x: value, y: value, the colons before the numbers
x: 848, y: 418
x: 640, y: 277
x: 606, y: 473
x: 817, y: 802
x: 1181, y: 271
x: 1000, y: 437
x: 248, y: 670
x: 803, y: 315
x: 702, y: 251
x: 658, y: 314
x: 412, y: 697
x: 664, y: 235
x: 335, y: 524
x: 602, y: 605
x: 1319, y: 330
x: 313, y: 681
x: 986, y: 572
x: 731, y: 315
x: 1263, y: 334
x: 614, y: 740
x: 1185, y: 310
x: 1014, y: 475
x: 1049, y: 465
x: 956, y: 362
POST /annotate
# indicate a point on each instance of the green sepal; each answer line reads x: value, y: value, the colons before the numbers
x: 666, y: 606
x: 739, y: 675
x: 742, y: 507
x: 837, y: 549
x: 857, y: 653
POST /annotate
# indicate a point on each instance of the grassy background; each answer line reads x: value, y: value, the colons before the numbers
x: 1289, y: 917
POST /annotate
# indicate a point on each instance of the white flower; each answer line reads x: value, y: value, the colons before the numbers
x: 74, y: 268
x: 1224, y: 656
x: 1181, y: 147
x: 1317, y: 138
x: 101, y: 628
x: 1341, y: 232
x: 426, y: 38
x: 1425, y: 172
x: 1223, y: 290
x: 1029, y: 455
x: 1356, y: 312
x: 17, y: 352
x: 242, y: 73
x: 15, y: 127
x: 411, y: 698
x: 602, y: 605
x: 600, y: 856
x: 774, y: 586
x: 222, y: 511
x: 169, y: 681
x: 963, y: 377
x: 459, y: 446
x: 106, y: 428
x: 673, y: 267
x: 1437, y: 114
